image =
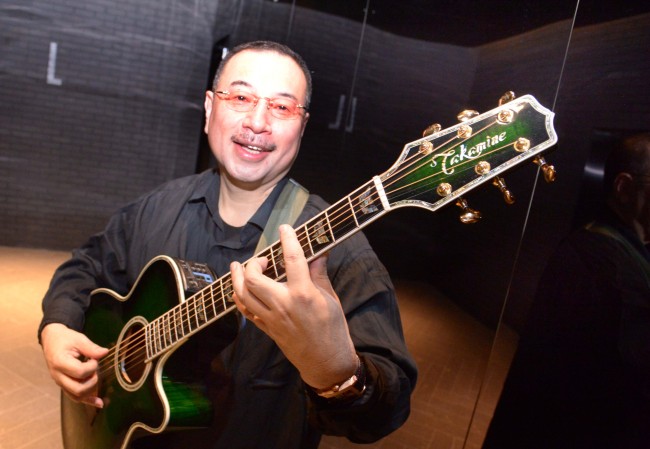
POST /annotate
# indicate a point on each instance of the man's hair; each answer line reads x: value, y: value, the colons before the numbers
x: 631, y: 155
x: 272, y: 47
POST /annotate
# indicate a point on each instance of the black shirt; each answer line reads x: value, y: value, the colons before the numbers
x: 263, y: 402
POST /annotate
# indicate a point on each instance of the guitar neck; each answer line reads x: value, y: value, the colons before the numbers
x: 431, y: 172
x: 332, y: 226
x: 316, y: 236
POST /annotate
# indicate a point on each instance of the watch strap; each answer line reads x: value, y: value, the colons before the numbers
x: 351, y: 388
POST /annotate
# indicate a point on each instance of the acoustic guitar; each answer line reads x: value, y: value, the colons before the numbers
x: 145, y: 328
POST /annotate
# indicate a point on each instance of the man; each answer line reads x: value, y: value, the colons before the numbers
x: 302, y: 338
x: 581, y: 375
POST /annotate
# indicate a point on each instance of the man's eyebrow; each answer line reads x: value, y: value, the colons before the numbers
x: 240, y: 83
x: 243, y: 83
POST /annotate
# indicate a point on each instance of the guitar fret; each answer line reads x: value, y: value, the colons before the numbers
x: 156, y: 334
x: 302, y: 236
x: 223, y: 293
x: 187, y: 323
x: 204, y: 312
x: 228, y: 293
x: 178, y: 324
x: 277, y: 265
x: 161, y: 335
x: 212, y: 302
x: 195, y: 314
x: 152, y: 337
x: 147, y: 340
x: 161, y: 328
x: 354, y: 215
x: 166, y: 327
x: 329, y: 226
x: 172, y: 325
x: 347, y: 221
x: 272, y: 270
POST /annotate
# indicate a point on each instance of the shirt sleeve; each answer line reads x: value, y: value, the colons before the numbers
x: 370, y: 305
x: 100, y: 262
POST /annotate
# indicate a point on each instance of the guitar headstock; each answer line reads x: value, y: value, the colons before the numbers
x: 444, y: 165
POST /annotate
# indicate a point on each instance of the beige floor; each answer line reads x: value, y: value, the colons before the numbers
x: 29, y: 400
x: 451, y: 350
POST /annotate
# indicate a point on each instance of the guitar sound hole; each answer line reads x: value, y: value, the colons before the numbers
x: 133, y: 354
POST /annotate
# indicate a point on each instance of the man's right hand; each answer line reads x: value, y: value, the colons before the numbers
x: 72, y: 360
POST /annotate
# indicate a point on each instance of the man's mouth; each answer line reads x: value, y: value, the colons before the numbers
x: 247, y: 142
x: 256, y: 149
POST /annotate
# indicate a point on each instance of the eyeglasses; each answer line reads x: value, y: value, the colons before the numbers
x: 283, y: 108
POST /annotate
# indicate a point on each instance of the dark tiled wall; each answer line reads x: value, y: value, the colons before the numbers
x: 121, y: 111
x: 100, y: 101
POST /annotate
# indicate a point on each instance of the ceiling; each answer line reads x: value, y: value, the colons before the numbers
x: 472, y: 22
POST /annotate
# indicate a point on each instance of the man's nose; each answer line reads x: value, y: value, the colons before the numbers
x: 258, y: 117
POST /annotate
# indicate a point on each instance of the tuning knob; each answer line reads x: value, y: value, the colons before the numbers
x: 506, y: 98
x: 500, y: 183
x: 469, y: 215
x: 431, y: 129
x: 548, y: 170
x: 427, y: 146
x: 466, y: 115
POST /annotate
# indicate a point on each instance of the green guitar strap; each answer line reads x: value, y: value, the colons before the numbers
x: 287, y: 208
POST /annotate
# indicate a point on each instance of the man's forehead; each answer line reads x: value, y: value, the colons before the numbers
x: 265, y: 68
x: 251, y: 57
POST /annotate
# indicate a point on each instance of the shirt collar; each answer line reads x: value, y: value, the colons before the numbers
x: 208, y: 188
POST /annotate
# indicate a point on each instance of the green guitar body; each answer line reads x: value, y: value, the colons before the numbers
x: 140, y: 398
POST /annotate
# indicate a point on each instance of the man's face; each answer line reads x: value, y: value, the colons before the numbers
x: 255, y: 149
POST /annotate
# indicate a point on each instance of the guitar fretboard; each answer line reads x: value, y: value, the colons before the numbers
x: 316, y: 236
x: 430, y: 173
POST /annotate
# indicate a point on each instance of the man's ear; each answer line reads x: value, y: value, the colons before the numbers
x: 207, y: 104
x: 623, y: 187
x: 304, y: 123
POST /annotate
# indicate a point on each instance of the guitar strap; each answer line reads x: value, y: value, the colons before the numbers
x: 287, y: 208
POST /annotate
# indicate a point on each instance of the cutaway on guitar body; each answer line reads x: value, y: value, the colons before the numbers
x: 137, y: 378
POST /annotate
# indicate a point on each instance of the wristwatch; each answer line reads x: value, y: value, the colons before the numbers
x: 351, y: 388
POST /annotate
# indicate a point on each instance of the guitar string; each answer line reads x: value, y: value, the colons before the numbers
x: 164, y: 330
x: 137, y: 337
x: 128, y: 361
x: 168, y: 341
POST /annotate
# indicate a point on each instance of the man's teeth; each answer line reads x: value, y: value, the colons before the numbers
x: 252, y: 148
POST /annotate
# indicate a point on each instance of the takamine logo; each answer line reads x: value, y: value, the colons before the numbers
x: 453, y: 157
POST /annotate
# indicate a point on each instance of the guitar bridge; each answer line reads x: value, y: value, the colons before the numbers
x: 196, y: 276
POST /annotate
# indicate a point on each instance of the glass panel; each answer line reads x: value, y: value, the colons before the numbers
x: 603, y: 94
x: 419, y: 65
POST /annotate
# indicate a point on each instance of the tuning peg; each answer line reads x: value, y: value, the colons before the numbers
x: 500, y: 183
x: 548, y: 170
x: 427, y: 146
x: 466, y: 115
x: 431, y: 129
x: 506, y: 98
x: 469, y: 215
